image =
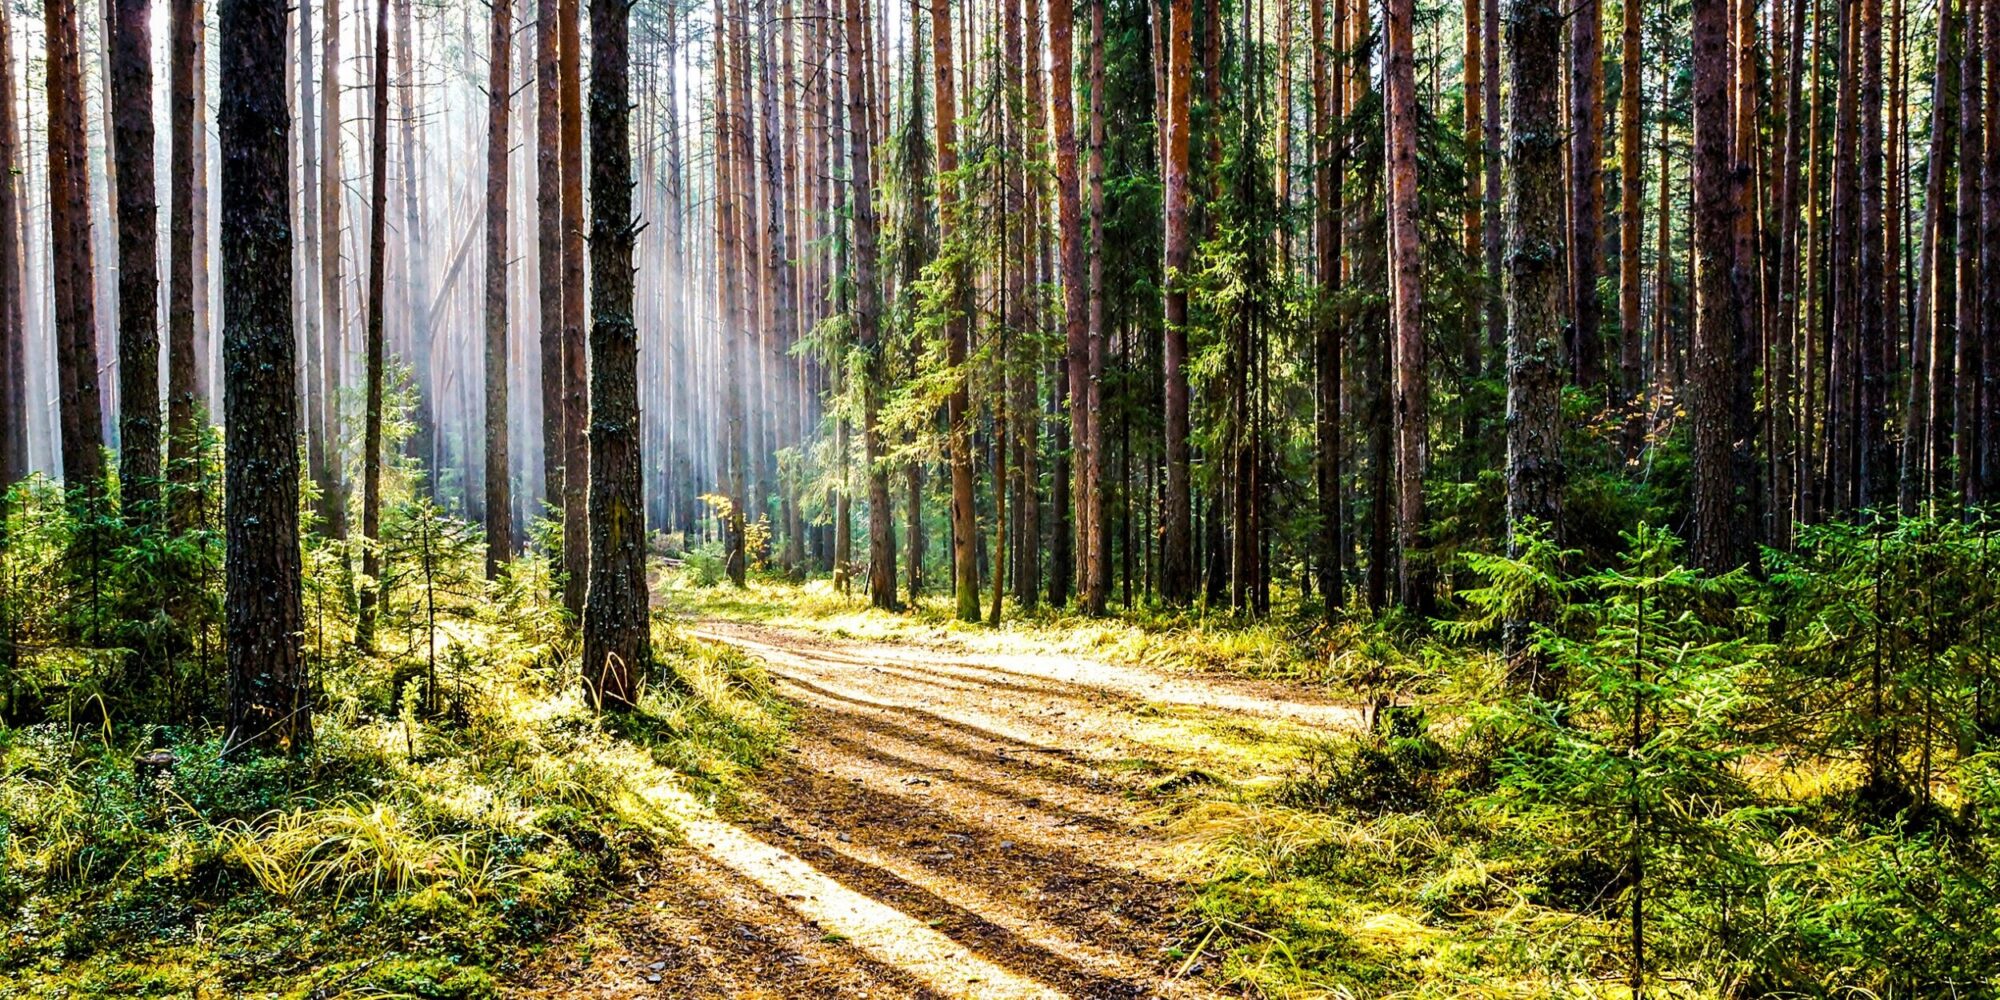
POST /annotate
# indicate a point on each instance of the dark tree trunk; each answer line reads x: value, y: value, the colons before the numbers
x: 378, y: 246
x: 1586, y: 188
x: 1874, y: 467
x: 13, y: 346
x: 499, y: 91
x: 868, y: 318
x: 964, y: 523
x: 549, y: 247
x: 333, y: 317
x: 138, y: 260
x: 1076, y: 318
x: 1971, y: 169
x: 269, y: 694
x: 183, y: 381
x: 1177, y: 569
x: 617, y: 648
x: 80, y: 408
x: 1535, y: 471
x: 1715, y: 320
x: 1411, y: 395
x: 576, y: 369
x: 1327, y: 388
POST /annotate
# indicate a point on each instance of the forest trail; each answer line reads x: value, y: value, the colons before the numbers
x: 948, y: 824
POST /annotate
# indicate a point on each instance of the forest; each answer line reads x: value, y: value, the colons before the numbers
x: 1000, y: 498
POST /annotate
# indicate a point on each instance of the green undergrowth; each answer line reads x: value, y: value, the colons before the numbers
x: 1788, y: 831
x: 460, y: 802
x: 404, y: 855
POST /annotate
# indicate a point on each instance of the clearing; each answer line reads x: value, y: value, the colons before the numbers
x: 948, y: 823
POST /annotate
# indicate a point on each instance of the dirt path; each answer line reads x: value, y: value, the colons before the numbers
x: 948, y: 825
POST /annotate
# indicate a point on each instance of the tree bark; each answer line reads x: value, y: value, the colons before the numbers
x: 1631, y: 179
x: 138, y: 261
x: 79, y: 405
x: 1535, y: 471
x: 549, y: 248
x: 13, y: 330
x: 1177, y: 554
x: 964, y: 524
x: 1715, y: 319
x: 333, y: 315
x: 499, y: 92
x: 1586, y: 190
x: 868, y: 318
x: 1406, y: 306
x: 371, y: 434
x: 575, y: 364
x: 269, y: 693
x: 617, y: 647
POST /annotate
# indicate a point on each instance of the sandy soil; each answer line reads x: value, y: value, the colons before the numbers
x: 948, y: 824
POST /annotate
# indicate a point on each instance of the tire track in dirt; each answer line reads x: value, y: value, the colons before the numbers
x: 946, y: 824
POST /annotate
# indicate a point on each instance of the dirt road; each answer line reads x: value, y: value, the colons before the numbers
x: 948, y: 825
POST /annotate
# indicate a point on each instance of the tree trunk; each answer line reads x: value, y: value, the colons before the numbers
x: 1925, y: 414
x: 499, y: 94
x: 576, y: 371
x: 1535, y: 471
x: 1406, y: 306
x: 80, y: 407
x: 868, y: 318
x: 1971, y: 170
x: 1076, y: 318
x: 1715, y: 319
x: 13, y: 343
x: 1327, y: 386
x: 138, y: 260
x: 1631, y: 179
x: 1097, y: 585
x: 1177, y: 554
x: 371, y: 444
x: 269, y: 693
x: 549, y: 248
x: 1586, y: 190
x: 1872, y: 475
x: 416, y: 271
x: 964, y: 523
x: 333, y: 317
x: 617, y: 647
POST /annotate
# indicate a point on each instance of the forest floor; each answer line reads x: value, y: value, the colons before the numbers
x: 955, y: 818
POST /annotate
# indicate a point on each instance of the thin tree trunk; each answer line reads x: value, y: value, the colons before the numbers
x: 1586, y: 189
x: 416, y: 270
x: 333, y: 317
x: 549, y: 247
x: 964, y: 524
x: 1076, y: 319
x: 1177, y: 552
x: 371, y: 447
x: 868, y: 318
x: 269, y: 692
x: 575, y: 364
x: 1971, y: 170
x: 79, y: 405
x: 499, y: 93
x: 1406, y: 306
x: 1097, y: 587
x: 13, y: 329
x: 1631, y: 179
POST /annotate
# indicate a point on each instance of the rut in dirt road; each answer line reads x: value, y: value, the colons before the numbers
x: 949, y: 824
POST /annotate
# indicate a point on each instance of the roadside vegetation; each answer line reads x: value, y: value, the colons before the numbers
x: 461, y: 802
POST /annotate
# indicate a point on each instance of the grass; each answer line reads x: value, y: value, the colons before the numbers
x: 409, y: 854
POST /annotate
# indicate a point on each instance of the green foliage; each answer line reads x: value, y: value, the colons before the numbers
x: 1789, y: 776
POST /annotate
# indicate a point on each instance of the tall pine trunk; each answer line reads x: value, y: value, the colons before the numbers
x: 378, y: 246
x: 1536, y: 291
x: 269, y: 694
x: 1177, y: 569
x: 549, y: 248
x: 499, y: 93
x: 575, y: 364
x: 868, y: 318
x: 1410, y: 392
x: 13, y: 345
x: 1715, y: 310
x: 617, y: 646
x: 80, y: 409
x: 138, y: 260
x: 1586, y: 189
x: 964, y: 522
